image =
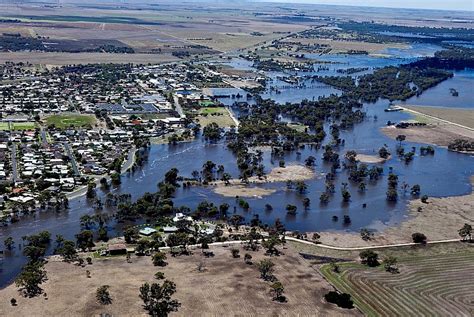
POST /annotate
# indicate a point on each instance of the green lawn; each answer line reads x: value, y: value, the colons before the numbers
x: 217, y: 115
x: 206, y: 103
x: 19, y: 126
x: 4, y: 126
x: 67, y: 120
x: 210, y: 110
x: 24, y: 125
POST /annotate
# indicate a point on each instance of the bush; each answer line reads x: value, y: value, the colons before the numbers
x: 159, y: 259
x: 418, y: 237
x: 369, y: 257
x: 103, y: 295
x: 235, y: 253
x: 342, y: 300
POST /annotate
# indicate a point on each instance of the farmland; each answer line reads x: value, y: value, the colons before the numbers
x: 425, y: 286
x: 70, y: 120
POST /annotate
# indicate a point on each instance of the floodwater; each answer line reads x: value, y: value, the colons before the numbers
x: 440, y: 95
x: 444, y: 174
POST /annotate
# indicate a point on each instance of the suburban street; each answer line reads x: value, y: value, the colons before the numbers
x: 77, y: 172
x: 178, y: 107
x: 14, y: 163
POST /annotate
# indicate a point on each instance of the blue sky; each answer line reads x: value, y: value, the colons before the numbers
x: 467, y: 5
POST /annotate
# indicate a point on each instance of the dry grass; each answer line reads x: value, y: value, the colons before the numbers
x: 218, y: 115
x: 463, y: 117
x: 227, y: 287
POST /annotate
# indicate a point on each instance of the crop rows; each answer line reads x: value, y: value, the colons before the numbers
x: 428, y: 286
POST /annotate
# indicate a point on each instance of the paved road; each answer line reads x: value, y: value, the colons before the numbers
x: 14, y: 163
x: 178, y: 107
x: 130, y: 160
x: 44, y: 138
x: 77, y: 172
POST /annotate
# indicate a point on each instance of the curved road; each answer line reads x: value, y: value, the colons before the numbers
x: 324, y: 246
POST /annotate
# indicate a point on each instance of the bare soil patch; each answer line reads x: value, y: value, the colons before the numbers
x: 444, y: 125
x: 243, y: 191
x: 289, y: 173
x: 226, y: 287
x: 440, y: 134
x: 364, y: 158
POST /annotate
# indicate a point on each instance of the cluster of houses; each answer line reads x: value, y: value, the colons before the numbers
x: 16, y: 71
x: 34, y: 96
x: 205, y: 228
x: 5, y: 170
x: 49, y: 168
x: 94, y: 151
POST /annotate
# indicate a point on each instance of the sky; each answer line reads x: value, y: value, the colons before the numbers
x: 466, y: 5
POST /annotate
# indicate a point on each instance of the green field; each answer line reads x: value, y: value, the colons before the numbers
x: 4, y: 126
x: 24, y: 125
x: 426, y: 286
x: 70, y: 120
x: 217, y: 115
x: 18, y: 126
x: 206, y: 103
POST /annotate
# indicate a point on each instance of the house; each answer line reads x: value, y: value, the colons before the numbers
x: 147, y: 231
x: 117, y: 249
x: 169, y: 229
x: 180, y: 216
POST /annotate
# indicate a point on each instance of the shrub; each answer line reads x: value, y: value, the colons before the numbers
x: 342, y: 300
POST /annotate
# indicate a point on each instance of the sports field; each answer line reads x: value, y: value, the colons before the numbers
x: 426, y: 286
x: 70, y: 120
x: 24, y: 125
x: 218, y: 115
x: 4, y: 126
x: 18, y: 126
